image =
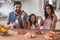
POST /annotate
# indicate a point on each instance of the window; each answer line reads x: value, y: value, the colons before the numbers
x: 55, y: 3
x: 59, y: 6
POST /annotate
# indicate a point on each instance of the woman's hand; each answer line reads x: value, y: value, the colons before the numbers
x: 54, y: 21
x: 54, y: 17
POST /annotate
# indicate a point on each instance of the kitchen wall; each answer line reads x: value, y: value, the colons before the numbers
x: 30, y: 6
x: 6, y: 8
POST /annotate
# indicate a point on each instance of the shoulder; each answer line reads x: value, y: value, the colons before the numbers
x: 11, y: 13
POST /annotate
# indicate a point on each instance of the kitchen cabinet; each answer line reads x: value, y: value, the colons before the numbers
x: 1, y: 1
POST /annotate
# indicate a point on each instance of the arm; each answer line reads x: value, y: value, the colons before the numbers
x: 41, y: 22
x: 24, y: 17
x: 37, y: 26
x: 54, y: 22
x: 8, y: 19
x: 24, y: 23
x: 28, y: 23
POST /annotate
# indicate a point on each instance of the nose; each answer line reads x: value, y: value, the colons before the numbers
x: 18, y: 8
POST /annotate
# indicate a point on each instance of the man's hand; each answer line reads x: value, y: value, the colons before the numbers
x: 15, y: 24
x: 23, y: 14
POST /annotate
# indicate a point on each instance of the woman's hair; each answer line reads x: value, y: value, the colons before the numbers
x: 31, y: 21
x: 52, y: 11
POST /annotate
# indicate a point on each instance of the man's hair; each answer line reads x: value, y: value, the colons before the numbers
x: 17, y: 2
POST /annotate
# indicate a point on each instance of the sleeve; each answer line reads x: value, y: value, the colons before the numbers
x: 8, y: 19
x: 25, y: 18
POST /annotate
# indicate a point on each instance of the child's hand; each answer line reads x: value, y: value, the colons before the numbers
x: 28, y: 20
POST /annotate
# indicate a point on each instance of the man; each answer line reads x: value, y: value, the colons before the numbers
x: 17, y: 17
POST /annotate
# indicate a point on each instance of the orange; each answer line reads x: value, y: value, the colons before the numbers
x: 7, y: 27
x: 3, y: 29
x: 0, y: 26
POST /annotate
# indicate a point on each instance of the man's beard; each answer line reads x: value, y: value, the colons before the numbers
x: 18, y: 11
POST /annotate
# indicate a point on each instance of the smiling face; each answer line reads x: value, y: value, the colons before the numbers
x: 48, y: 10
x: 17, y: 8
x: 33, y: 18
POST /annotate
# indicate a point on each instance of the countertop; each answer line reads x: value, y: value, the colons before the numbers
x: 13, y: 36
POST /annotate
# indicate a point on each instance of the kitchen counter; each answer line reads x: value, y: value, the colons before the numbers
x: 13, y: 36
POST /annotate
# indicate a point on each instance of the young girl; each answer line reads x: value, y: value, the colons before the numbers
x: 32, y: 22
x: 50, y: 18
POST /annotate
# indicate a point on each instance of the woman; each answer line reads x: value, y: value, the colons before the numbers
x: 32, y: 22
x: 50, y: 18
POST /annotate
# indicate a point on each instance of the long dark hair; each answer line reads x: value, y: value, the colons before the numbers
x: 31, y: 21
x: 52, y: 11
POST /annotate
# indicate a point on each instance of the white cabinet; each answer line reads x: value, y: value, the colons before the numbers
x: 1, y: 1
